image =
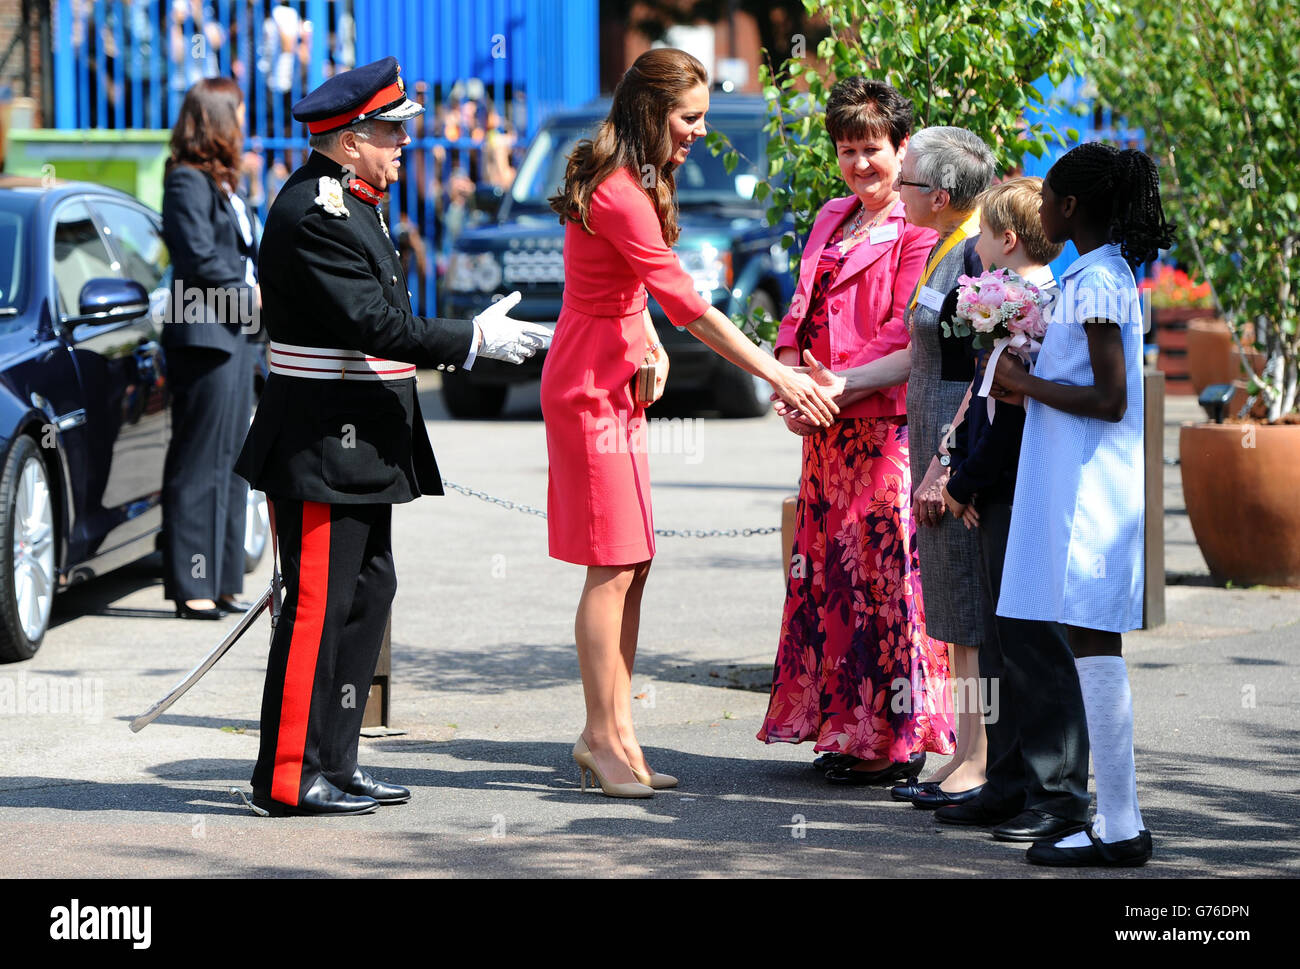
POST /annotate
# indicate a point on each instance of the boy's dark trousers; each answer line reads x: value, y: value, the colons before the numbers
x: 1037, y: 731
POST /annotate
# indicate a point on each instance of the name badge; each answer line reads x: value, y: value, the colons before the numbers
x: 931, y: 298
x: 884, y: 233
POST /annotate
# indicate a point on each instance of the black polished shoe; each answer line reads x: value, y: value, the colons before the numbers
x: 1035, y: 825
x: 905, y: 792
x: 233, y: 605
x: 1132, y: 853
x: 908, y: 769
x: 184, y: 611
x: 937, y: 798
x: 975, y: 814
x: 322, y: 800
x: 833, y: 759
x: 366, y: 786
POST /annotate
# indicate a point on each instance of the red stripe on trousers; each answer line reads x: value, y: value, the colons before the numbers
x: 304, y: 645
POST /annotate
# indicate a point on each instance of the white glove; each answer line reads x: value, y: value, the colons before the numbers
x: 502, y: 338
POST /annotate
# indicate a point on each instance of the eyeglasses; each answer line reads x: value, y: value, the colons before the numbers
x: 903, y: 181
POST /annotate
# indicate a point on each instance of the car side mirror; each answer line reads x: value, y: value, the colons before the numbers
x: 110, y: 300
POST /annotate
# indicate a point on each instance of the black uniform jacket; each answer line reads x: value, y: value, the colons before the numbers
x: 208, y: 255
x: 334, y: 281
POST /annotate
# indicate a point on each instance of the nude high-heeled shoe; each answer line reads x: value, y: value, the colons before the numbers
x: 654, y: 779
x: 582, y: 756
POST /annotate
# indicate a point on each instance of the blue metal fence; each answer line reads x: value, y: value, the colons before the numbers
x: 488, y: 71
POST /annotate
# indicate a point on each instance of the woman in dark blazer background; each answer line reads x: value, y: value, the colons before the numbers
x: 210, y: 235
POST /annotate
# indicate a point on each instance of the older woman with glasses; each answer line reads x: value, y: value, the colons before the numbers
x: 856, y: 672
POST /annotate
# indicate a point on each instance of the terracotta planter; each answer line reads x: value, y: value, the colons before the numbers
x: 1239, y: 485
x: 1212, y: 357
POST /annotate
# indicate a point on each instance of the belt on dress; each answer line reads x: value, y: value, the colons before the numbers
x: 331, y: 363
x: 607, y: 307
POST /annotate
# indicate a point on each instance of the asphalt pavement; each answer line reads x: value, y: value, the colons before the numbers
x: 487, y: 704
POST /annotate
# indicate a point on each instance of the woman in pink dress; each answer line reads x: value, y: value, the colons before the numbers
x: 620, y: 215
x: 855, y: 672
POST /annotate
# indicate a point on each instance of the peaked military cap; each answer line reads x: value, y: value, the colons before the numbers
x: 370, y: 91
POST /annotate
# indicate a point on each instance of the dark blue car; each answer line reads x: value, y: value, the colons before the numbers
x: 726, y: 245
x: 84, y: 417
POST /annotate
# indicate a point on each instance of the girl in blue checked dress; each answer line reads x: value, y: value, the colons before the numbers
x: 1074, y: 553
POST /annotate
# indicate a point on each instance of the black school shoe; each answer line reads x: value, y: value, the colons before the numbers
x: 975, y: 814
x: 1032, y: 824
x: 1132, y: 853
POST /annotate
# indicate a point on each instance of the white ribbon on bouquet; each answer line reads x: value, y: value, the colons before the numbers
x: 1023, y: 345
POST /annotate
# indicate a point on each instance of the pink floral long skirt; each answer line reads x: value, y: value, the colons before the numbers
x: 855, y: 670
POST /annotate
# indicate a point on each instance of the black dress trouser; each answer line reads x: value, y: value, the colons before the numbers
x: 204, y: 502
x: 339, y: 582
x: 1037, y: 731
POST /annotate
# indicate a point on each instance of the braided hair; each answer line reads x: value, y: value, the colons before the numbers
x: 1121, y: 189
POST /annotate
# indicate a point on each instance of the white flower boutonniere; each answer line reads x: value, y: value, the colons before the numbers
x: 329, y: 196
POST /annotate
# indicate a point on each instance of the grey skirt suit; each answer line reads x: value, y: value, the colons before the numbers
x: 957, y: 606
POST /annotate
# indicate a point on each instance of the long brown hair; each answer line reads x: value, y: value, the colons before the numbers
x: 207, y: 133
x: 634, y: 135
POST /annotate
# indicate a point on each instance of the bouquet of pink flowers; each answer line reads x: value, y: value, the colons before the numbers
x: 1003, y: 309
x: 999, y: 305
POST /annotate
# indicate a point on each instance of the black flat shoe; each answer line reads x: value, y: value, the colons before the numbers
x: 905, y: 792
x: 363, y: 785
x: 322, y: 800
x: 832, y: 759
x: 975, y: 814
x: 185, y: 612
x: 234, y: 605
x: 937, y: 798
x: 1035, y: 825
x: 908, y: 769
x: 1132, y: 853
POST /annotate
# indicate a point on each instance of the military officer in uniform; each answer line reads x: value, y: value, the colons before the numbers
x: 338, y: 436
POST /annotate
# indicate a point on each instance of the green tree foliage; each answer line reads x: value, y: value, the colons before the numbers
x: 972, y: 65
x: 1215, y: 84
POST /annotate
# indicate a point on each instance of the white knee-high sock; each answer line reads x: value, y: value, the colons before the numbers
x: 1108, y: 703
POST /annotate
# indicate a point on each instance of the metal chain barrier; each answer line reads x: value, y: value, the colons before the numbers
x: 661, y: 532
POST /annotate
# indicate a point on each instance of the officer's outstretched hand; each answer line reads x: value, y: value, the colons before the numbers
x: 505, y: 339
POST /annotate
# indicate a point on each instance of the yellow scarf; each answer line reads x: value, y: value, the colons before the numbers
x: 971, y: 227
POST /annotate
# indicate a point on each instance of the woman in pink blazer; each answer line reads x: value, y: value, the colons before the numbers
x: 855, y: 671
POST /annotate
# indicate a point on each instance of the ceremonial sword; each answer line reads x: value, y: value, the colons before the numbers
x: 270, y: 599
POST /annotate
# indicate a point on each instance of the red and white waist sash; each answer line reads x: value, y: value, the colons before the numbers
x: 331, y: 363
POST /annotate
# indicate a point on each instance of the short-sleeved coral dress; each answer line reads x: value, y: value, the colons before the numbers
x: 598, y: 494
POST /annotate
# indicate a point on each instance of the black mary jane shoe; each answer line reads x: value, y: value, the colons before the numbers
x: 184, y: 611
x: 832, y: 759
x: 322, y: 800
x: 908, y: 769
x: 362, y: 784
x: 938, y: 797
x: 233, y: 605
x: 1132, y: 853
x: 906, y: 792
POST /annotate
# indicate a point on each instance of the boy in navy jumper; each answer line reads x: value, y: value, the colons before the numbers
x: 1038, y: 759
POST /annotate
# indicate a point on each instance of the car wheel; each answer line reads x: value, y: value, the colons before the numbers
x: 738, y: 393
x: 257, y: 529
x: 27, y: 528
x: 468, y: 400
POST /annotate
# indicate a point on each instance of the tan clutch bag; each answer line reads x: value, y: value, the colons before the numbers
x: 643, y: 384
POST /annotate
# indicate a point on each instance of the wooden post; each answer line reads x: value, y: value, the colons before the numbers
x: 377, y: 701
x: 1153, y: 412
